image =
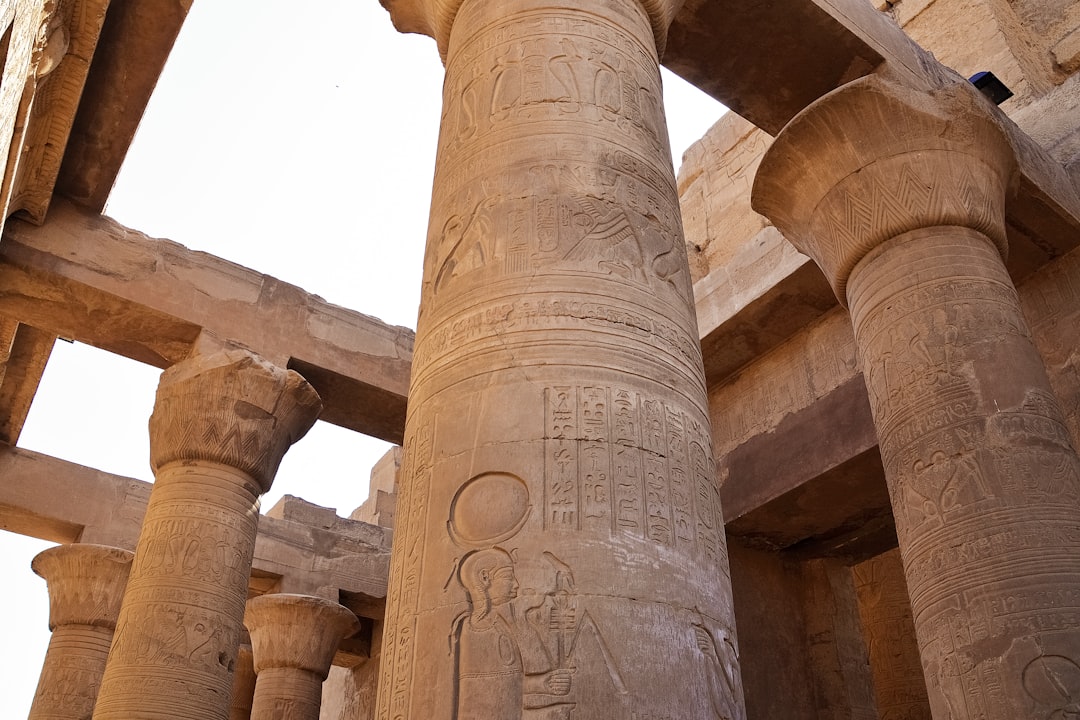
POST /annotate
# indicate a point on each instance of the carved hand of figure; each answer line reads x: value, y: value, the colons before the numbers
x: 557, y: 682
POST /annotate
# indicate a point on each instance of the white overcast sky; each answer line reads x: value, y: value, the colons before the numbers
x: 297, y: 140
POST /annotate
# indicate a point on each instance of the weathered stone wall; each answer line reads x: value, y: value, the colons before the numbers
x: 714, y: 192
x: 885, y: 612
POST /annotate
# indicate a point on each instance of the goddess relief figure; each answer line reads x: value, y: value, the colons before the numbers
x: 501, y: 665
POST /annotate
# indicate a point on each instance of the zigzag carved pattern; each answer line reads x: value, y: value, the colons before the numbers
x: 852, y: 223
x: 240, y: 415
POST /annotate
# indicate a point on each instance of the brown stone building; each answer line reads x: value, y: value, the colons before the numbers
x: 894, y: 406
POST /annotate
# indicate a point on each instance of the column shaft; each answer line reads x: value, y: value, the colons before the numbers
x: 220, y: 427
x: 985, y: 485
x: 293, y: 641
x: 287, y: 694
x: 72, y: 672
x: 899, y: 196
x: 86, y: 587
x: 559, y: 544
x: 182, y: 618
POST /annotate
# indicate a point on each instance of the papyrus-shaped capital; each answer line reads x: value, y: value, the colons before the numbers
x: 873, y: 160
x: 232, y: 408
x: 297, y: 631
x: 86, y: 583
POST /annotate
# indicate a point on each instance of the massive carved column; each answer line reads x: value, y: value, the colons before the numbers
x: 293, y: 639
x: 86, y: 585
x: 220, y: 427
x: 899, y: 197
x: 559, y: 544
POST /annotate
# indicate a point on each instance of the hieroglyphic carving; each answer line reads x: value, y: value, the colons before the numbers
x: 984, y: 482
x: 721, y: 659
x: 403, y: 590
x: 553, y: 67
x: 610, y: 209
x: 636, y: 464
x: 708, y: 515
x: 889, y: 633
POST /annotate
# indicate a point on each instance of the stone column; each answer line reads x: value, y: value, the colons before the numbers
x: 86, y: 584
x: 220, y: 427
x: 294, y: 638
x: 243, y: 690
x: 899, y: 197
x: 559, y: 545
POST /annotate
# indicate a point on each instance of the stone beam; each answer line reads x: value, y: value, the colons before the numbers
x: 304, y: 549
x: 24, y: 351
x: 135, y: 41
x: 765, y: 295
x: 768, y: 61
x: 85, y: 277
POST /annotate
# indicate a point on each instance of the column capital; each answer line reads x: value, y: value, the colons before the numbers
x: 297, y: 631
x: 232, y: 408
x: 435, y: 18
x: 873, y: 160
x: 86, y: 583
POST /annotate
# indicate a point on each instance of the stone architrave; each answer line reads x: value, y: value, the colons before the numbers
x: 86, y: 585
x: 899, y: 197
x: 293, y: 639
x: 559, y: 548
x: 243, y: 690
x: 220, y: 427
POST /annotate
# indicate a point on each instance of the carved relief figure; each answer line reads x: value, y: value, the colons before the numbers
x: 467, y: 241
x: 607, y: 85
x: 612, y: 242
x: 565, y: 68
x: 721, y: 663
x: 508, y: 85
x: 948, y: 696
x: 496, y: 653
x: 1053, y: 681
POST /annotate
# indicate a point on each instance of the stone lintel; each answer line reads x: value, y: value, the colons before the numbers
x: 770, y: 61
x: 297, y: 631
x: 25, y: 351
x: 159, y: 297
x: 86, y: 583
x: 62, y: 502
x: 766, y: 61
x: 71, y: 36
x: 740, y: 324
x: 814, y: 484
x: 134, y: 44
